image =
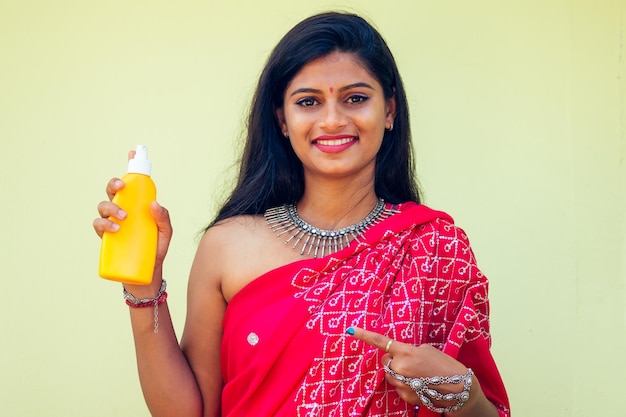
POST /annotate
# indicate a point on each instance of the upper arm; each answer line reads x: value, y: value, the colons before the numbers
x: 202, y: 336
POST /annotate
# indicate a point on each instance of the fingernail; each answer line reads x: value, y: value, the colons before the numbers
x: 118, y: 183
x: 350, y: 331
x: 121, y: 214
x: 115, y: 227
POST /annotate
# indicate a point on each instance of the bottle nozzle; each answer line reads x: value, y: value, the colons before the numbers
x: 141, y: 152
x: 140, y: 163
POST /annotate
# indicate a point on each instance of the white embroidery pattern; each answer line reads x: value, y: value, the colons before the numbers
x: 418, y: 286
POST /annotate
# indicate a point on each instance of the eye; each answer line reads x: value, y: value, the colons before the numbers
x: 306, y: 102
x: 357, y: 98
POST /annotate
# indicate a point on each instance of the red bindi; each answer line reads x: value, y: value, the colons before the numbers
x: 331, y: 89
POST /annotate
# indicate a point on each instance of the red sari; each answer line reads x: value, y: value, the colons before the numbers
x: 413, y: 277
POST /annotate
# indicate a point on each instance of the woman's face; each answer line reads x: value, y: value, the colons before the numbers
x: 335, y: 115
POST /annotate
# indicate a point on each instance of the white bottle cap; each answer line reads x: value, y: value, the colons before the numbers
x: 140, y: 164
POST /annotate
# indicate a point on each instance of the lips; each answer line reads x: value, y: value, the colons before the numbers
x: 334, y: 144
x: 337, y: 140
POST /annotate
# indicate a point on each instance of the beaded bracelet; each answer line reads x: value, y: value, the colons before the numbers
x: 160, y: 298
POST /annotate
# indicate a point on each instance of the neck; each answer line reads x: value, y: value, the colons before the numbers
x: 337, y: 205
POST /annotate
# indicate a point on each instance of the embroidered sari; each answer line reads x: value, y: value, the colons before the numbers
x: 413, y: 277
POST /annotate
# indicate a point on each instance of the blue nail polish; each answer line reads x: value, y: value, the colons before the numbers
x: 350, y: 331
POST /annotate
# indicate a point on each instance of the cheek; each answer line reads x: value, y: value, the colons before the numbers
x: 299, y: 122
x: 373, y: 121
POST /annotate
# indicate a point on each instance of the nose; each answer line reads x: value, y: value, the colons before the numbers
x: 333, y: 118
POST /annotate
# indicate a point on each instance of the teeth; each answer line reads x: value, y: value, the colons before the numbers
x: 334, y: 142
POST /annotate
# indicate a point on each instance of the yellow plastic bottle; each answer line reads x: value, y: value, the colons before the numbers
x: 128, y: 255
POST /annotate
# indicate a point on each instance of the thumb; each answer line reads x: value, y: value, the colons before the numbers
x: 161, y: 217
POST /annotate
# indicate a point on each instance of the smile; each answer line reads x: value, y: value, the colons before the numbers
x: 335, y: 142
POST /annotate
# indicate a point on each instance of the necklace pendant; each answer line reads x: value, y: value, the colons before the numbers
x: 285, y: 220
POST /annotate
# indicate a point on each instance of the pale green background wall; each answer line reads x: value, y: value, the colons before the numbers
x: 518, y: 113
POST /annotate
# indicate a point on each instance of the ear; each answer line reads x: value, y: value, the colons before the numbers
x: 280, y: 117
x: 390, y: 109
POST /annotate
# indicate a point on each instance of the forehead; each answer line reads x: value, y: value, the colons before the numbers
x: 333, y: 70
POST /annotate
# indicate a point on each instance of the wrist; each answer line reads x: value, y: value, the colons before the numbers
x: 477, y: 404
x: 134, y: 302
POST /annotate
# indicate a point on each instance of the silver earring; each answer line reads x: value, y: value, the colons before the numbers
x: 390, y: 127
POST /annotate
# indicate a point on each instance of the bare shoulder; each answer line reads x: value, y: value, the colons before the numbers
x: 239, y: 249
x: 233, y: 237
x: 238, y: 228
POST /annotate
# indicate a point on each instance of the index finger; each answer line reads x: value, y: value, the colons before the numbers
x: 113, y: 186
x: 377, y: 340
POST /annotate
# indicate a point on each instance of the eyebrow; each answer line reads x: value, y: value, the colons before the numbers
x: 344, y: 88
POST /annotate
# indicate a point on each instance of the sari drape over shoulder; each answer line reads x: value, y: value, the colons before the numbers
x: 413, y: 277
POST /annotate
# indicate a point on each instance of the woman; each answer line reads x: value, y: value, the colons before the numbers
x: 323, y: 287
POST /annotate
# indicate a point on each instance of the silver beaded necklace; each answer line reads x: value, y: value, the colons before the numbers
x: 285, y: 220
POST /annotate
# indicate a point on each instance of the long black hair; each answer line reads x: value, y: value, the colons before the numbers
x: 270, y: 173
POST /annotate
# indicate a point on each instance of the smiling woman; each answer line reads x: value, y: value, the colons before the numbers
x: 326, y: 217
x: 336, y: 132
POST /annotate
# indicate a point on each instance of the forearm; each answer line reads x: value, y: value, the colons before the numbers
x: 166, y: 378
x: 167, y: 381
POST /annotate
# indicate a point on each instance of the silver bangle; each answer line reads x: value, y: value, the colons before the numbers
x: 135, y: 302
x: 145, y: 301
x: 427, y: 394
